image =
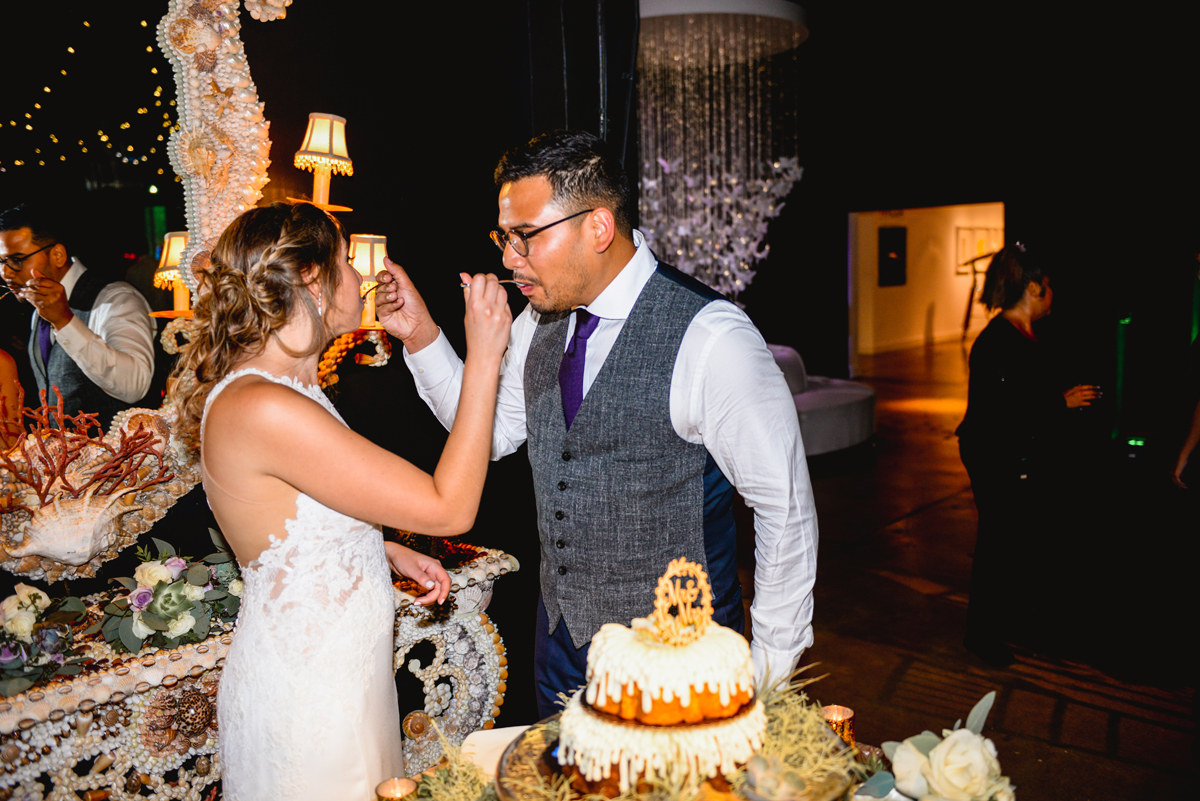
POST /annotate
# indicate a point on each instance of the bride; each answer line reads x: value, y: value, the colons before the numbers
x: 307, y: 705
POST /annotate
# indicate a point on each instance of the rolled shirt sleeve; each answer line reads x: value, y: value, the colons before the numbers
x: 437, y: 371
x: 115, y: 349
x: 728, y: 394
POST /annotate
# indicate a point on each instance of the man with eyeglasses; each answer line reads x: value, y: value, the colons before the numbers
x: 91, y: 338
x: 645, y: 398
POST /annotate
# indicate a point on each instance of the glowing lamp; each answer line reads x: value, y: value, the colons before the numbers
x: 324, y: 152
x: 167, y: 275
x: 367, y: 253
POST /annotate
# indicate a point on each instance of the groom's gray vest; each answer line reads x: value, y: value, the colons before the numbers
x: 621, y: 494
x: 78, y: 392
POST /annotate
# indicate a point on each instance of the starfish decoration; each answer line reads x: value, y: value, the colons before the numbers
x: 222, y: 98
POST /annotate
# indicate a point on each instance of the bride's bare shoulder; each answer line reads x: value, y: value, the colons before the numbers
x: 253, y: 408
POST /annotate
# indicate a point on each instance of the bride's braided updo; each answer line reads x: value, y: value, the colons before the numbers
x: 257, y: 282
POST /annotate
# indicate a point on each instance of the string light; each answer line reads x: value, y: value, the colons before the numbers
x: 125, y: 126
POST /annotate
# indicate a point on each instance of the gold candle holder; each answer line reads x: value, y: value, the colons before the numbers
x: 391, y: 789
x: 841, y: 720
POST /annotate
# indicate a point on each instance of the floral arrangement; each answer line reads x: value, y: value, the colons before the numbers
x: 172, y: 599
x: 961, y: 765
x: 36, y: 638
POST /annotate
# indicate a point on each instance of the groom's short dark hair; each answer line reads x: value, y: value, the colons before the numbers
x: 582, y: 169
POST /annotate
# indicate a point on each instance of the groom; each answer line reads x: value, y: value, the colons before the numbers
x: 646, y: 398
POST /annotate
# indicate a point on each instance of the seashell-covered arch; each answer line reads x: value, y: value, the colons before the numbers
x: 221, y: 148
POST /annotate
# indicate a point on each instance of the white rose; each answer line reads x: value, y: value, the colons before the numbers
x: 181, y: 625
x: 962, y: 767
x: 31, y: 596
x: 1002, y: 791
x: 150, y: 573
x: 908, y: 765
x: 20, y: 625
x: 192, y: 592
x: 140, y: 629
x: 235, y: 588
x: 9, y: 606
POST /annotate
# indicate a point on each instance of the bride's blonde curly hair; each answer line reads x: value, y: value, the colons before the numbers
x: 258, y: 279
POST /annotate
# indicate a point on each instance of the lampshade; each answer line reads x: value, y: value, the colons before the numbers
x: 367, y: 253
x: 325, y: 145
x: 168, y: 264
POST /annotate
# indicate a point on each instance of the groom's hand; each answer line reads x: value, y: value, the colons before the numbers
x: 401, y: 309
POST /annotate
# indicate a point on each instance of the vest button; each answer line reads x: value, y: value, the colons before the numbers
x: 561, y: 544
x: 562, y: 485
x: 566, y: 456
x: 559, y: 515
x: 562, y: 571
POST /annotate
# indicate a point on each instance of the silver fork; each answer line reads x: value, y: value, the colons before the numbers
x: 502, y: 280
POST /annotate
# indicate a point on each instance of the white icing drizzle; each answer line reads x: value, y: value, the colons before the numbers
x: 620, y: 657
x: 595, y: 745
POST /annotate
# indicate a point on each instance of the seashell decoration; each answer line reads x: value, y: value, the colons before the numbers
x: 267, y: 10
x: 221, y: 149
x: 72, y: 499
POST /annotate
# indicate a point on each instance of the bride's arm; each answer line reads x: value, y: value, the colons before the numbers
x: 425, y: 570
x: 263, y: 433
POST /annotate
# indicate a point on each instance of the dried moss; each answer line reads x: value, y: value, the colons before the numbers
x: 796, y: 733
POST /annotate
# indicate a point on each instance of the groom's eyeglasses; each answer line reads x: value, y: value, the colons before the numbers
x: 520, y: 239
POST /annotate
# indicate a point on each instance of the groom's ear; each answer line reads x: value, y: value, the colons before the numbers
x: 603, y: 229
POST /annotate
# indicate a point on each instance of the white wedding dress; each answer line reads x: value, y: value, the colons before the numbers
x: 307, y: 702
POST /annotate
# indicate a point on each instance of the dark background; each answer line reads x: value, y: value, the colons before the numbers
x: 1078, y: 119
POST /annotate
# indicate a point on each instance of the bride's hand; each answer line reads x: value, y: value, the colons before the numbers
x: 425, y: 570
x: 488, y: 317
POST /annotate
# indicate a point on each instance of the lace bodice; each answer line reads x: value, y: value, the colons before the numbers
x: 312, y: 654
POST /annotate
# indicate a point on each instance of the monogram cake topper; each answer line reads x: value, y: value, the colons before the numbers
x: 680, y: 588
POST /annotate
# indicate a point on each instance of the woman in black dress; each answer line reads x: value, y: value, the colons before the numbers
x: 1015, y: 408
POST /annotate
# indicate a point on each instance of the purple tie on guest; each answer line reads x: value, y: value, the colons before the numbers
x: 570, y: 373
x: 44, y: 339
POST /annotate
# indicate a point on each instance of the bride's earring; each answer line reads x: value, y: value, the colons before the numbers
x: 320, y: 295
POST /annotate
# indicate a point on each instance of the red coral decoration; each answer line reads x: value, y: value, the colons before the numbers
x: 59, y: 440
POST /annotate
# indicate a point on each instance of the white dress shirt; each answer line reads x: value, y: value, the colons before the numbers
x: 726, y: 394
x: 115, y: 348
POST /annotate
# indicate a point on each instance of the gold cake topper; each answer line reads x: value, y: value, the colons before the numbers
x: 680, y: 587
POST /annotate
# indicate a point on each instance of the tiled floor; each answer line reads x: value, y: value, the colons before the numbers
x: 897, y: 532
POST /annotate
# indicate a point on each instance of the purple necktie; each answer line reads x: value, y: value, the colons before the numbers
x: 44, y: 340
x: 570, y: 372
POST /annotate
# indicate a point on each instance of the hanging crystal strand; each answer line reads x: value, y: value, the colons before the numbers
x: 718, y: 138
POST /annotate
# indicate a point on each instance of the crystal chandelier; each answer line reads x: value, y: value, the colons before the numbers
x: 718, y: 131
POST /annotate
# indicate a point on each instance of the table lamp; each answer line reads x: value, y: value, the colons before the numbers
x: 167, y: 275
x: 324, y: 152
x: 367, y: 253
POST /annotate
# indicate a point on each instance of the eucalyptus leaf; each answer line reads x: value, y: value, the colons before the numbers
x: 113, y: 609
x: 154, y: 621
x: 878, y: 786
x: 68, y: 670
x: 111, y: 628
x: 924, y: 742
x: 92, y: 629
x: 957, y: 725
x: 219, y: 540
x: 198, y: 575
x: 72, y: 604
x: 165, y: 549
x: 979, y: 712
x: 17, y: 684
x: 889, y: 749
x: 217, y: 558
x: 126, y: 582
x: 15, y: 664
x: 215, y: 595
x: 55, y: 618
x: 121, y: 603
x: 171, y: 644
x: 131, y: 642
x: 202, y: 624
x: 232, y: 605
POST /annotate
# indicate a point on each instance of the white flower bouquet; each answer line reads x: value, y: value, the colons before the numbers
x: 961, y: 765
x: 36, y: 638
x: 172, y: 599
